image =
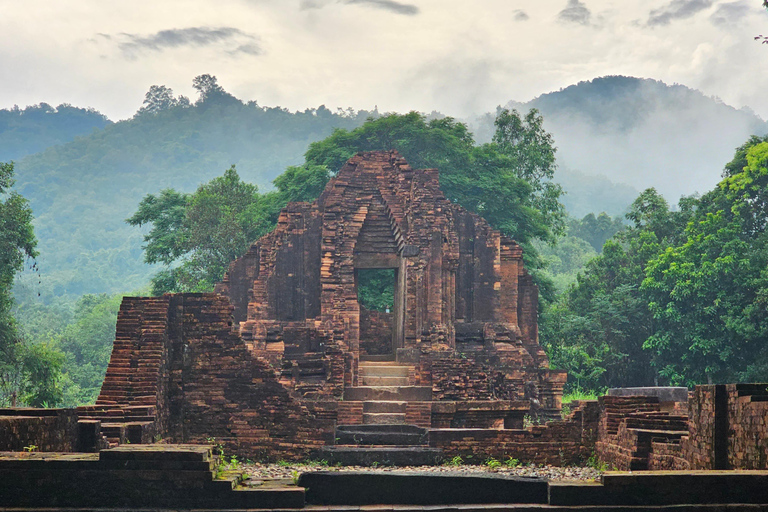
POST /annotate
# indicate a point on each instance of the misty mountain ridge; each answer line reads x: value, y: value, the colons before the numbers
x: 616, y: 136
x: 642, y: 132
x: 36, y: 127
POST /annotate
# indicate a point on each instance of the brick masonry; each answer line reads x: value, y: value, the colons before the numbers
x: 460, y: 287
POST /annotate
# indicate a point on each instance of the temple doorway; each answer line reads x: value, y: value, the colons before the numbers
x: 376, y: 296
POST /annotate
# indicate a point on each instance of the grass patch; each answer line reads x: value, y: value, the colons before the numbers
x: 579, y: 393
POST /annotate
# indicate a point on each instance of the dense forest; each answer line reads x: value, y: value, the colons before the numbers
x: 163, y: 201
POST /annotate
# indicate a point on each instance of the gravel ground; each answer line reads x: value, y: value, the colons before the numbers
x: 258, y: 471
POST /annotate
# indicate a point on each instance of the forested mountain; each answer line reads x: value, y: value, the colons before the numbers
x: 615, y: 136
x: 641, y: 132
x: 34, y: 128
x: 82, y: 192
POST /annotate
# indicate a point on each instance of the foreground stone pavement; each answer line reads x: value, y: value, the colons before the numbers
x: 187, y: 477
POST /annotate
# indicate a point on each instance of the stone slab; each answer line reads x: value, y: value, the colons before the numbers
x: 380, y: 455
x: 665, y: 394
x: 661, y: 488
x: 389, y: 393
x: 367, y: 488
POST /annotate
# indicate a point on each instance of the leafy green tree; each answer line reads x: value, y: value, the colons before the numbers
x: 598, y: 328
x: 595, y: 230
x: 205, y: 231
x: 160, y: 98
x: 202, y: 232
x: 565, y: 260
x: 86, y: 346
x: 28, y: 373
x: 507, y: 181
x: 709, y: 293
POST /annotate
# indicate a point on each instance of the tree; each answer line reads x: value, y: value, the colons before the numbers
x: 598, y: 328
x: 28, y: 373
x: 159, y: 98
x: 595, y: 230
x: 205, y: 231
x: 504, y: 182
x: 709, y: 292
x: 507, y: 181
x: 210, y: 91
x: 86, y: 346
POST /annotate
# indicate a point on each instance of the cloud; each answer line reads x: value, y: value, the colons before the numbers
x: 521, y: 15
x: 388, y: 5
x: 309, y: 4
x: 235, y: 40
x: 575, y: 12
x: 730, y: 13
x: 677, y: 10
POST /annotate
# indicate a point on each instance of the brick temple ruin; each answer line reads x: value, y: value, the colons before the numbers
x: 283, y: 353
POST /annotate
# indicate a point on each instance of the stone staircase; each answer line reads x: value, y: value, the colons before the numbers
x: 126, y: 406
x: 378, y: 375
x: 385, y: 392
x: 384, y: 437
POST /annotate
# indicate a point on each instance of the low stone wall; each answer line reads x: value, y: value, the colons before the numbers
x: 45, y: 430
x: 559, y: 443
x: 630, y: 426
x: 726, y: 428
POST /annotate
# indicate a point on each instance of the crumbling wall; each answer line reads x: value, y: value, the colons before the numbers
x: 375, y: 332
x: 559, y: 443
x: 45, y: 430
x: 728, y: 427
x: 629, y: 428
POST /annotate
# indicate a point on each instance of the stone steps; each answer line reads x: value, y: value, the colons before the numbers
x: 383, y: 370
x: 381, y: 455
x: 385, y: 380
x: 383, y: 418
x: 389, y: 393
x: 384, y: 406
x: 382, y: 434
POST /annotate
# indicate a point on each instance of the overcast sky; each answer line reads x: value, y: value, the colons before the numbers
x: 458, y: 57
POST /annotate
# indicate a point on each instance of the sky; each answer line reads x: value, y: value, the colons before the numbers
x: 456, y: 57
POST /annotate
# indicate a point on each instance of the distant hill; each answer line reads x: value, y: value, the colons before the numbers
x: 616, y: 136
x: 34, y: 128
x: 641, y: 132
x: 81, y: 192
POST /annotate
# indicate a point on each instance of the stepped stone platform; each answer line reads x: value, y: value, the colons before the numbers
x: 408, y: 435
x: 364, y: 488
x: 145, y: 476
x: 386, y: 444
x: 388, y: 393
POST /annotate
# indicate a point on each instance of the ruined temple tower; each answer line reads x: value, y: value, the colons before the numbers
x: 283, y: 356
x: 458, y: 285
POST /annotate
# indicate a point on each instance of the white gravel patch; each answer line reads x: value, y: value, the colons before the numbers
x: 259, y: 471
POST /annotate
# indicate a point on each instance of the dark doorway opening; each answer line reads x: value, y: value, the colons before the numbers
x: 376, y: 290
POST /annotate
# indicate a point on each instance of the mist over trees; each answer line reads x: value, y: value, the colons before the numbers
x: 508, y: 181
x: 641, y: 132
x: 679, y: 297
x: 37, y: 127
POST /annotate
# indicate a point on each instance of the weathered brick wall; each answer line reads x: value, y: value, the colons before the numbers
x: 454, y: 377
x: 45, y: 430
x: 667, y: 456
x: 629, y: 425
x: 489, y: 375
x: 454, y: 273
x: 558, y: 443
x: 699, y: 447
x: 218, y: 389
x: 375, y: 332
x: 748, y: 426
